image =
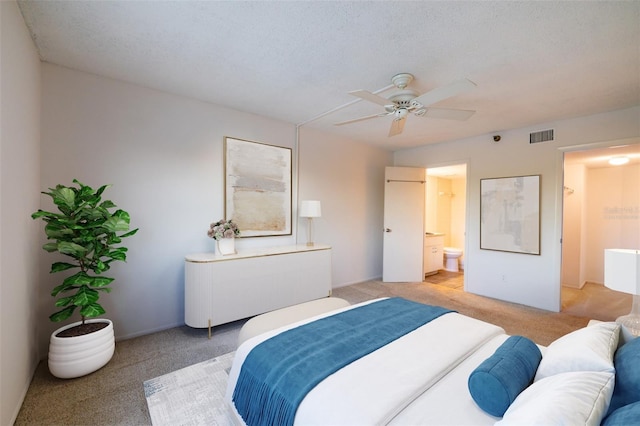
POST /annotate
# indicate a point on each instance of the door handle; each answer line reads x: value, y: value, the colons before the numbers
x: 387, y: 230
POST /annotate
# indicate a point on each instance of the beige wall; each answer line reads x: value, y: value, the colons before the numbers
x: 164, y: 156
x: 19, y: 197
x: 348, y: 178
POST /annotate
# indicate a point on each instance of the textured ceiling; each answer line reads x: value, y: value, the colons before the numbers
x: 533, y: 62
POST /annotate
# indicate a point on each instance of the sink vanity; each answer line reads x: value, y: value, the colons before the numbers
x: 433, y: 252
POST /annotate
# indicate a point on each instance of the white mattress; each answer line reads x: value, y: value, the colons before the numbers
x: 420, y: 378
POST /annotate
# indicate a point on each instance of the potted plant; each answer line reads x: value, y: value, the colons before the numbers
x: 86, y: 231
x: 224, y: 232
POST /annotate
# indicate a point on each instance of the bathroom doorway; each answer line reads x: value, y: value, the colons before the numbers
x: 600, y: 210
x: 445, y: 215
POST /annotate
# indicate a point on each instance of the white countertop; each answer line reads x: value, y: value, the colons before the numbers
x: 254, y: 252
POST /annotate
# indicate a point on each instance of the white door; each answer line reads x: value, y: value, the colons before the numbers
x: 404, y: 198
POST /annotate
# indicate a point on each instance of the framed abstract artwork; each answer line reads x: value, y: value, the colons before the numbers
x: 258, y: 187
x: 510, y: 214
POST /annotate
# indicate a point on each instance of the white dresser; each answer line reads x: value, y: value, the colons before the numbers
x: 220, y: 289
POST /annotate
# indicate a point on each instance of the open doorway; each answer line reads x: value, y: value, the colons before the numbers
x: 600, y: 210
x: 445, y: 219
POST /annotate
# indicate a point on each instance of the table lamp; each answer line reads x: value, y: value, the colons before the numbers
x: 310, y: 209
x: 622, y: 273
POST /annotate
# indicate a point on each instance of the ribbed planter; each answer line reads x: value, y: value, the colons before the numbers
x: 227, y: 246
x: 71, y: 357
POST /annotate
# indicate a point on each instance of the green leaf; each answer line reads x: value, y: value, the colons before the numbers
x: 118, y: 254
x: 92, y: 310
x: 128, y: 234
x: 71, y: 249
x: 64, y: 301
x: 78, y: 279
x: 63, y: 196
x: 62, y: 287
x: 85, y: 296
x: 117, y: 223
x: 50, y: 247
x: 101, y: 281
x: 62, y: 266
x: 101, y: 190
x: 107, y: 204
x: 63, y: 314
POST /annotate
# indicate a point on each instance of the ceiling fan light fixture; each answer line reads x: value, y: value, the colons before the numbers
x: 618, y: 161
x: 400, y: 113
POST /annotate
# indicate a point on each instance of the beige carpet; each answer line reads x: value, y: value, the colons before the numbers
x: 115, y: 394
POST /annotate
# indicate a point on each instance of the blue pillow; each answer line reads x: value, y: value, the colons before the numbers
x: 624, y: 416
x: 627, y: 364
x: 496, y: 382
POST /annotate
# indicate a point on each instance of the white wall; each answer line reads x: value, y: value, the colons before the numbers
x: 348, y: 178
x: 528, y: 279
x: 164, y: 156
x: 19, y: 197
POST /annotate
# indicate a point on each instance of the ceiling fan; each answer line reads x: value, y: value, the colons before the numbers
x: 406, y: 101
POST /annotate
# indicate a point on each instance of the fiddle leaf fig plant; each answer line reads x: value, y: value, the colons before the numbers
x: 88, y: 233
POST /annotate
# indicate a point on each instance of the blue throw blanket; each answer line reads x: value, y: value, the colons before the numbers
x: 278, y: 373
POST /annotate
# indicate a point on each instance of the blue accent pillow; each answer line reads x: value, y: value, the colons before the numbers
x: 496, y: 383
x: 627, y: 364
x: 624, y: 416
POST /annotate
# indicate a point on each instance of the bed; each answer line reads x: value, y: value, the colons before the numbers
x: 437, y: 374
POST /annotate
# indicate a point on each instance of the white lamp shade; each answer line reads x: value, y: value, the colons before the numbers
x: 622, y: 270
x: 310, y: 208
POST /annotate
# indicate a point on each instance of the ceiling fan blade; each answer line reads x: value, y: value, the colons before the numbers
x: 449, y: 114
x: 359, y: 119
x: 397, y: 126
x: 444, y: 92
x: 368, y: 96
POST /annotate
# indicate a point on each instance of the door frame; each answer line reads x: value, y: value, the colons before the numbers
x: 467, y: 217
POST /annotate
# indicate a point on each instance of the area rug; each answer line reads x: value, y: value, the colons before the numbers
x: 192, y: 395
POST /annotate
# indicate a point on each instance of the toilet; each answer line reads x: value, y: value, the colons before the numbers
x: 451, y: 256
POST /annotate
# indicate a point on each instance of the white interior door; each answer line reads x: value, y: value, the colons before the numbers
x: 404, y: 198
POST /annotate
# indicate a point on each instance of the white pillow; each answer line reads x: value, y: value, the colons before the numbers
x: 576, y: 398
x: 587, y: 349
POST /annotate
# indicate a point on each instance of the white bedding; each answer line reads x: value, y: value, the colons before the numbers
x: 420, y: 378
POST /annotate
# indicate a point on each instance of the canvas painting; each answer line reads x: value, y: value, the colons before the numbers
x: 258, y: 187
x: 510, y: 214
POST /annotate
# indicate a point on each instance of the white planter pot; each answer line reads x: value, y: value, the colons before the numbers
x: 71, y: 357
x: 227, y: 246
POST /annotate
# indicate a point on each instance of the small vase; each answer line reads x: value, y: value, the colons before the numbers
x: 227, y: 246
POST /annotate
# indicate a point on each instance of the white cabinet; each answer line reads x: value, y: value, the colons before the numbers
x: 433, y: 253
x: 220, y: 289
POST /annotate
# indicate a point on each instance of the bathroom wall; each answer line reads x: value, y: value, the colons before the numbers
x: 612, y: 206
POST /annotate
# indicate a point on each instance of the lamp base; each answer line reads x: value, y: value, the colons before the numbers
x: 631, y: 321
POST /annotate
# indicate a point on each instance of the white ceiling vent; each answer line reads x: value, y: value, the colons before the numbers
x: 541, y: 136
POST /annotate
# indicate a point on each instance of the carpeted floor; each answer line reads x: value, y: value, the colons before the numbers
x: 115, y: 394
